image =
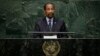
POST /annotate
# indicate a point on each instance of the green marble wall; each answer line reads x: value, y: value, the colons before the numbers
x: 17, y: 16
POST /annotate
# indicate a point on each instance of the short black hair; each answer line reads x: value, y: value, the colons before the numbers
x: 47, y: 4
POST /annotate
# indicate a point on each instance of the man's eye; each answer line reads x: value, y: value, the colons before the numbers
x: 48, y: 8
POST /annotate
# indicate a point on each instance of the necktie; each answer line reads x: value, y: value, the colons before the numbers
x: 50, y: 26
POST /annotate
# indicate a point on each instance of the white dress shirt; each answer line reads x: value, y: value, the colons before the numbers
x: 47, y: 19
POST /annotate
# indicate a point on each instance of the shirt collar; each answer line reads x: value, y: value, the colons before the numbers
x: 48, y: 19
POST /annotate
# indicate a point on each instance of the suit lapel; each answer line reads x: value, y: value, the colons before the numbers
x: 54, y: 24
x: 45, y: 24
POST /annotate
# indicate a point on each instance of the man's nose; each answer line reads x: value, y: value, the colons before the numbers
x: 50, y: 10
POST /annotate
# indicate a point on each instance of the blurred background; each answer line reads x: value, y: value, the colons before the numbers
x: 81, y: 16
x: 17, y: 18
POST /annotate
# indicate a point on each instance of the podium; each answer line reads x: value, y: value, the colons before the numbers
x: 52, y: 35
x: 52, y: 45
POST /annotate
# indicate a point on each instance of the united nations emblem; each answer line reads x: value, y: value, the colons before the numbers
x: 51, y: 48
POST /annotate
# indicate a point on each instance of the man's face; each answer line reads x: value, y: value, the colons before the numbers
x: 49, y: 10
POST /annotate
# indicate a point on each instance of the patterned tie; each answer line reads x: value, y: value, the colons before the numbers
x: 50, y: 26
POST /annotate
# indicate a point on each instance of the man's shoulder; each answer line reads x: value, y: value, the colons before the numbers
x: 40, y: 19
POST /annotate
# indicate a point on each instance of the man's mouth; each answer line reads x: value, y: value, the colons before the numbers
x: 50, y: 15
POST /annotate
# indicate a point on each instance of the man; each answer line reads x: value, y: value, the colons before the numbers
x: 49, y: 23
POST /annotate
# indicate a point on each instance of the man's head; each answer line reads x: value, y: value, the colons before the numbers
x: 49, y: 9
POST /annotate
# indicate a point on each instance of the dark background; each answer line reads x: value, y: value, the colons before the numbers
x: 81, y: 16
x: 33, y: 47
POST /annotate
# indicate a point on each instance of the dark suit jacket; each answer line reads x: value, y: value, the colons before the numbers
x: 42, y: 26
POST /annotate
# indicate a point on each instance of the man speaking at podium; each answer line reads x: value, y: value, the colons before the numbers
x: 49, y: 23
